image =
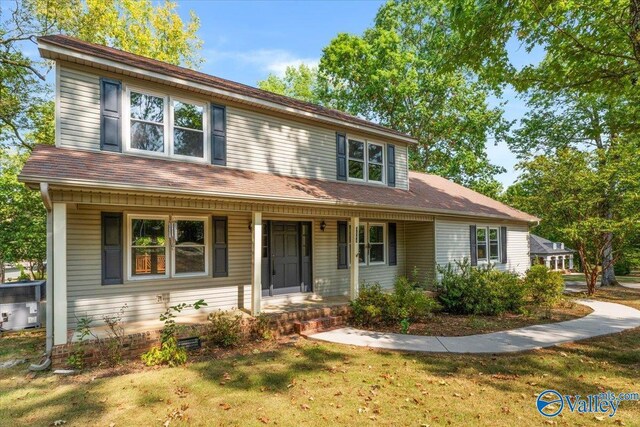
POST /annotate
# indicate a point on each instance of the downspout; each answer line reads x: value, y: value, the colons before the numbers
x: 46, y: 199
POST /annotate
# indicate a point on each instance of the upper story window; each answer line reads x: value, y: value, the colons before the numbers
x: 168, y: 126
x: 366, y: 161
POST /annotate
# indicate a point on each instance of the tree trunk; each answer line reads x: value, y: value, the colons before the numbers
x: 2, y: 271
x: 608, y: 273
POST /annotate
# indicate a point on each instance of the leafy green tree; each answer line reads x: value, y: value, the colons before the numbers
x: 566, y: 187
x: 589, y: 122
x: 23, y: 225
x: 589, y: 44
x: 394, y: 74
x: 298, y: 82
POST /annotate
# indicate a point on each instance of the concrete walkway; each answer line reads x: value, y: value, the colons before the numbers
x: 606, y: 318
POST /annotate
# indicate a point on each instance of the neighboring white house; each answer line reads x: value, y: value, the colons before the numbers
x: 167, y: 185
x: 552, y: 254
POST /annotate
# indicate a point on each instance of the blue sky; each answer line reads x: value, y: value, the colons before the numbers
x: 246, y: 40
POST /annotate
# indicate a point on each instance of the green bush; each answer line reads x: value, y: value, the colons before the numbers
x: 168, y: 354
x: 622, y: 267
x: 545, y: 287
x: 408, y: 302
x: 483, y: 290
x: 225, y: 330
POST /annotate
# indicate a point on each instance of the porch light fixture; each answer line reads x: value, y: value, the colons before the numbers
x: 250, y: 224
x: 323, y: 225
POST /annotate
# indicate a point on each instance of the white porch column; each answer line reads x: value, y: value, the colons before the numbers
x: 59, y: 273
x: 354, y: 279
x: 570, y: 262
x: 556, y: 262
x: 256, y: 263
x: 547, y: 262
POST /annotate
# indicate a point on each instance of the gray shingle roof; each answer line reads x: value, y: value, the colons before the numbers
x: 541, y: 246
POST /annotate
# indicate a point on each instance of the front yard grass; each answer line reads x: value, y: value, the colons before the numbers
x: 580, y: 278
x: 311, y: 384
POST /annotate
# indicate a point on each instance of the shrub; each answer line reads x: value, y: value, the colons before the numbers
x: 545, y: 287
x: 225, y: 330
x: 261, y: 327
x: 408, y: 302
x: 622, y: 267
x: 169, y: 353
x: 482, y: 290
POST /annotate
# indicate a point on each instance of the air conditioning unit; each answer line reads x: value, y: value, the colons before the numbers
x: 20, y: 305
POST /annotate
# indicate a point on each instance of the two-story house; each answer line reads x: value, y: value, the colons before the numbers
x: 167, y: 185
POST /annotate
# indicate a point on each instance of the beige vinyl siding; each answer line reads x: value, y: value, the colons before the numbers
x: 328, y: 279
x: 420, y: 250
x: 255, y: 141
x: 79, y: 109
x: 453, y: 243
x: 88, y: 297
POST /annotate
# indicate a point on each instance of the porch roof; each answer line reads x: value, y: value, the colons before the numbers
x: 99, y: 169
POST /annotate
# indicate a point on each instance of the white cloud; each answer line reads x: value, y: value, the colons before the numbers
x: 271, y: 60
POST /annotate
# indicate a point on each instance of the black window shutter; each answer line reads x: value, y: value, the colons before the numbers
x: 218, y: 135
x: 343, y: 245
x: 220, y: 246
x: 473, y: 243
x: 391, y: 165
x: 393, y: 244
x: 503, y: 238
x: 341, y: 156
x: 112, y: 273
x: 110, y: 115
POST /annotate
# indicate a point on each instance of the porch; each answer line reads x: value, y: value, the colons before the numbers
x: 280, y: 259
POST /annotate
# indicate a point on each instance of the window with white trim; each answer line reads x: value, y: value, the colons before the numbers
x: 488, y: 244
x: 365, y: 161
x: 162, y: 246
x: 164, y: 125
x: 371, y: 244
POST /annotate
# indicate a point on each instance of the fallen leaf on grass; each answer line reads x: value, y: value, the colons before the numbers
x: 264, y: 420
x: 305, y: 407
x: 225, y: 406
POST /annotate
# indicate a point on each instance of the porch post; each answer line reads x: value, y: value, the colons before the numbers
x: 571, y: 262
x: 556, y: 263
x: 547, y: 262
x: 256, y: 264
x: 59, y: 273
x: 354, y: 278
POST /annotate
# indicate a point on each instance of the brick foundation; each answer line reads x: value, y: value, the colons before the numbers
x: 134, y: 345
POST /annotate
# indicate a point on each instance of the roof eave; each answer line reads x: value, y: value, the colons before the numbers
x: 51, y: 51
x: 34, y: 179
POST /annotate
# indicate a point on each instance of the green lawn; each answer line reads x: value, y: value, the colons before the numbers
x: 305, y: 383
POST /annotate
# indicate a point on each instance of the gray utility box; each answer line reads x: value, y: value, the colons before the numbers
x: 20, y: 305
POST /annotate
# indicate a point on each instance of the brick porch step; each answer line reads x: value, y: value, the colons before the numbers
x: 318, y: 325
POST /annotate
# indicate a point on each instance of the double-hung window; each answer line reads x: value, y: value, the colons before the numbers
x: 371, y: 244
x: 164, y: 125
x: 366, y: 161
x: 488, y: 244
x: 161, y: 246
